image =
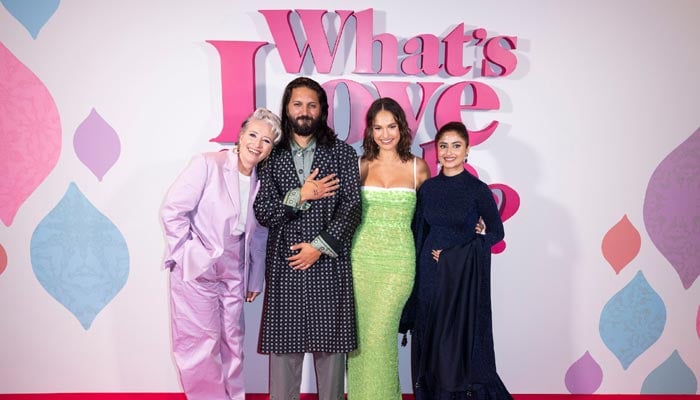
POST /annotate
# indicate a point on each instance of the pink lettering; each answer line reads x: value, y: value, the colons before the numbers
x: 479, y: 35
x: 448, y: 107
x: 430, y: 156
x: 500, y: 56
x: 237, y: 85
x: 359, y: 98
x: 427, y: 59
x: 397, y: 91
x: 307, y: 35
x: 364, y: 42
x: 508, y: 202
x: 316, y: 38
x: 454, y: 51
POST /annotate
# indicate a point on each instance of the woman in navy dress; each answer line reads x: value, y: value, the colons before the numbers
x: 452, y: 353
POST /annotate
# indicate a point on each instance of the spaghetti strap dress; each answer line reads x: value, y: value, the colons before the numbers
x: 383, y: 269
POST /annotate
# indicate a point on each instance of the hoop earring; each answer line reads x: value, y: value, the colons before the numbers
x: 466, y: 157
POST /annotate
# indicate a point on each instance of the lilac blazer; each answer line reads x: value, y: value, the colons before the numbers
x: 203, y: 206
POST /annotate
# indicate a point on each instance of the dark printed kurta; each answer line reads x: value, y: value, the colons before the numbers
x: 311, y: 310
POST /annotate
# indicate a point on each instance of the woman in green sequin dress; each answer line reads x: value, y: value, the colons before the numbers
x: 383, y: 253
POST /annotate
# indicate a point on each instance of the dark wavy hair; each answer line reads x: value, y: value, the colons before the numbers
x: 369, y: 146
x: 325, y: 135
x: 454, y: 126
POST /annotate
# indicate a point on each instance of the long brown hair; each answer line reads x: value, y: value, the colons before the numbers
x: 370, y: 147
x: 325, y: 135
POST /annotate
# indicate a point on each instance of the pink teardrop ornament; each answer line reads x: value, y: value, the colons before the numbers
x: 30, y: 133
x: 621, y: 244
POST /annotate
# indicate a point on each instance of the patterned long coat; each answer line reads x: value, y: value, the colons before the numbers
x: 311, y: 310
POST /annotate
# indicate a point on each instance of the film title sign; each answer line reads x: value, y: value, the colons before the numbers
x: 419, y: 56
x: 424, y: 56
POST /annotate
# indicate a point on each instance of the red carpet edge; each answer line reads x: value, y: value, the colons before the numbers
x: 181, y: 396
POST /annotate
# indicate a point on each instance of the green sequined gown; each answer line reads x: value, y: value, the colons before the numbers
x: 383, y: 268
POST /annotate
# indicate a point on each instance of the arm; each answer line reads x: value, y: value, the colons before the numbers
x: 338, y: 234
x: 420, y: 230
x: 256, y: 270
x: 418, y: 225
x: 341, y: 229
x: 487, y: 210
x: 273, y: 209
x: 268, y: 206
x: 423, y: 172
x: 182, y: 197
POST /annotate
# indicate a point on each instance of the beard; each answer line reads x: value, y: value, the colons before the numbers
x: 304, y: 126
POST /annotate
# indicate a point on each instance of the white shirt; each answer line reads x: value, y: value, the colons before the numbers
x: 244, y: 194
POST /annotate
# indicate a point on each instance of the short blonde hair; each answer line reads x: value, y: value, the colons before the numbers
x: 265, y: 115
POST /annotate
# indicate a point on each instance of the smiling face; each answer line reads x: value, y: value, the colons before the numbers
x: 386, y: 128
x: 452, y: 149
x: 304, y: 111
x: 385, y: 131
x: 254, y: 144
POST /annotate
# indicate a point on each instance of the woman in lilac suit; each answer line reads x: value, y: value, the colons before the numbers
x: 216, y: 255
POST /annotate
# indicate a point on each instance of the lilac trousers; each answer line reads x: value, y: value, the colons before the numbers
x: 208, y: 327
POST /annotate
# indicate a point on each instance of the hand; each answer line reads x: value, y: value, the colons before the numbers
x: 305, y: 258
x: 250, y: 296
x: 480, y: 227
x: 436, y: 254
x: 314, y: 189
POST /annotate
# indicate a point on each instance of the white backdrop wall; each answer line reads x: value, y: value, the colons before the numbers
x: 603, y: 92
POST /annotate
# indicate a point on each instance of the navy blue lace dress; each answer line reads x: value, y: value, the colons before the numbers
x: 452, y: 353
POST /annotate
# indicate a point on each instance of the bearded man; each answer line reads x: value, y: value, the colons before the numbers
x: 309, y: 200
